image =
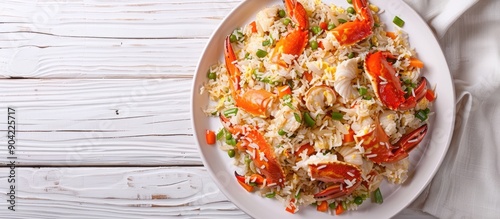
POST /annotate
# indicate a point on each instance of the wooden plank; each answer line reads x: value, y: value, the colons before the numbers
x: 124, y: 192
x: 114, y: 19
x: 130, y: 192
x: 50, y: 57
x: 100, y: 122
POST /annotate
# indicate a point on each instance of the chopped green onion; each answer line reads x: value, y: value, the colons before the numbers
x: 314, y: 44
x: 286, y: 21
x: 337, y: 116
x: 367, y: 97
x: 247, y: 56
x: 332, y: 205
x: 231, y: 153
x: 281, y: 132
x: 252, y: 184
x: 232, y: 111
x: 289, y: 104
x: 376, y: 25
x: 358, y: 200
x: 331, y: 26
x: 297, y: 117
x: 261, y: 53
x: 239, y: 35
x: 316, y: 29
x: 297, y: 196
x: 212, y: 75
x: 351, y: 10
x: 342, y: 20
x: 247, y: 159
x: 344, y: 205
x: 314, y: 204
x: 398, y: 21
x: 427, y: 110
x: 362, y: 91
x: 349, y: 1
x: 228, y: 135
x: 266, y: 43
x: 421, y: 115
x: 309, y: 120
x: 233, y: 38
x: 220, y: 134
x: 377, y: 196
x: 350, y: 55
x: 287, y: 98
x: 231, y: 142
x: 270, y: 195
x: 282, y: 13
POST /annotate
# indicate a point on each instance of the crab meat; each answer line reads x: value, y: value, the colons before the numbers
x: 346, y: 72
x: 285, y: 119
x: 318, y: 98
x: 265, y: 18
x: 351, y: 155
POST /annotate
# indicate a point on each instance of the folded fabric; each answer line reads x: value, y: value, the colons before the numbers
x: 467, y: 183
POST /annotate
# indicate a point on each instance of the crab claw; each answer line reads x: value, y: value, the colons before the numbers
x: 387, y: 85
x: 254, y: 178
x: 255, y: 102
x: 298, y: 13
x: 409, y: 142
x: 344, y: 176
x: 261, y: 152
x: 379, y: 150
x: 352, y: 32
x: 295, y: 42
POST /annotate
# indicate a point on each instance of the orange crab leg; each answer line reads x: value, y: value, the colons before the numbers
x: 262, y: 153
x: 233, y: 71
x: 336, y: 172
x: 254, y: 102
x: 298, y: 13
x: 379, y: 150
x: 295, y: 42
x: 264, y: 158
x: 352, y: 32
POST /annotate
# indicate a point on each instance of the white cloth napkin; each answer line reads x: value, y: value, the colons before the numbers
x: 467, y: 184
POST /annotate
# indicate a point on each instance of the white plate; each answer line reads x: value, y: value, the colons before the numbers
x: 425, y: 159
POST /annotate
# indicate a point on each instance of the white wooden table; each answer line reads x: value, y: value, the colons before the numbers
x: 101, y: 91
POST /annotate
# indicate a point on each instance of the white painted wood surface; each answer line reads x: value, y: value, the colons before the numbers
x: 159, y: 192
x: 101, y: 90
